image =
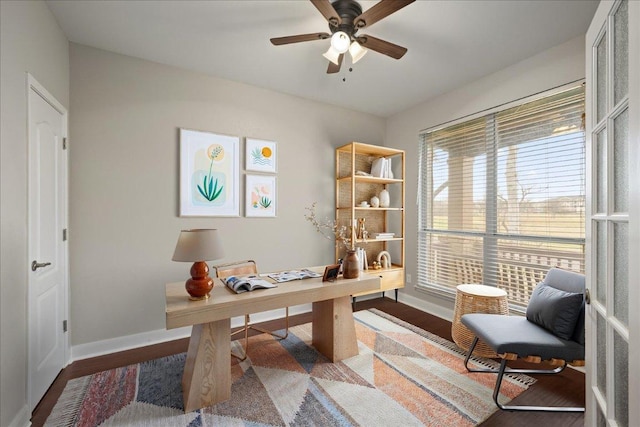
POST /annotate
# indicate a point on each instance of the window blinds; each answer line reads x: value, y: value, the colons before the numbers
x: 502, y: 196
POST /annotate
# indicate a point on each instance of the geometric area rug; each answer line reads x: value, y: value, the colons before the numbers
x: 403, y: 376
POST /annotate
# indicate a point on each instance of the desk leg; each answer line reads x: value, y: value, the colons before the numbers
x: 333, y: 329
x: 207, y: 371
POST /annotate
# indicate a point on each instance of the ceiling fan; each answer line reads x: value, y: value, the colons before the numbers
x: 345, y: 18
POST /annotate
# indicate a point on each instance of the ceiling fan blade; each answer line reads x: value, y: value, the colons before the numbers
x: 299, y: 38
x: 333, y: 68
x: 326, y: 9
x: 378, y: 11
x: 382, y: 46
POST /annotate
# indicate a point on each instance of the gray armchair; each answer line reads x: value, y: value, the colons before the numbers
x: 553, y: 331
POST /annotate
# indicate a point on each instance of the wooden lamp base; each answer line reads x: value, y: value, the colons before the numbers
x: 200, y: 283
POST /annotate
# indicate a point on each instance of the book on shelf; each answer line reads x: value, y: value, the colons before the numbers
x: 384, y: 235
x: 240, y: 284
x: 381, y: 168
x: 287, y: 276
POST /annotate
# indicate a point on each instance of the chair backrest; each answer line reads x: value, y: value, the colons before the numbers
x: 237, y: 268
x: 569, y: 281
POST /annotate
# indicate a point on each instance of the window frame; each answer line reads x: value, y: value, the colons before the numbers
x: 489, y: 234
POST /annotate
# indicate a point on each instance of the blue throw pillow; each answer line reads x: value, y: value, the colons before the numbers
x: 555, y: 310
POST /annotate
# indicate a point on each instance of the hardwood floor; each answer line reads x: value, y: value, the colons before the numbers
x: 566, y: 388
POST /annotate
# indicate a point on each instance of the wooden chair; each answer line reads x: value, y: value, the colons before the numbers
x: 552, y: 330
x: 244, y: 268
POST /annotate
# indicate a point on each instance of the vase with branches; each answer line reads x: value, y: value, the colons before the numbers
x: 331, y: 230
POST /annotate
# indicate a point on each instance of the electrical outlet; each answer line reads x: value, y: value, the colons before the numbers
x: 408, y: 278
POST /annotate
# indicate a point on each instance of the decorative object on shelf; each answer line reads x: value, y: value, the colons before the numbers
x: 375, y: 202
x: 362, y: 232
x: 364, y: 204
x: 329, y: 228
x: 260, y: 155
x: 384, y: 198
x: 378, y: 167
x: 198, y: 246
x: 209, y: 174
x: 351, y: 265
x: 384, y: 259
x: 260, y: 198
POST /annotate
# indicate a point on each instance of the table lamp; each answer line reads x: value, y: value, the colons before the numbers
x: 198, y: 246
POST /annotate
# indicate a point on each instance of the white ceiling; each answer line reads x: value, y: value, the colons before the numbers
x: 450, y: 43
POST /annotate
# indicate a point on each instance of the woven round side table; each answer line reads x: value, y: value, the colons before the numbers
x: 476, y: 299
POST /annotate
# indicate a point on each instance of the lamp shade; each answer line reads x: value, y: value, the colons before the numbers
x: 340, y: 41
x: 198, y: 245
x: 332, y: 55
x: 357, y: 51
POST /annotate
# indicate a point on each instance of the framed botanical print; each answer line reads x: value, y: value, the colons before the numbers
x: 261, y: 156
x: 209, y: 174
x: 260, y: 196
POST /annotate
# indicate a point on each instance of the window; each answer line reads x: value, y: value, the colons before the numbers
x: 502, y: 197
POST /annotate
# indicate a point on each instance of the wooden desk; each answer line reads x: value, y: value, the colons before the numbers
x: 207, y: 373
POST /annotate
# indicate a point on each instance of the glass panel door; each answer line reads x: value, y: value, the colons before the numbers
x: 608, y: 212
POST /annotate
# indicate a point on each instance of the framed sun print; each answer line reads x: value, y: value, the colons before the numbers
x: 209, y: 174
x: 261, y: 155
x: 260, y: 196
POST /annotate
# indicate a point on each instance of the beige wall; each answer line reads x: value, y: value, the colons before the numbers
x: 551, y: 68
x: 125, y: 117
x: 31, y: 41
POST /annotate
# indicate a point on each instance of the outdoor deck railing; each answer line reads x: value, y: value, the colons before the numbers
x: 518, y: 270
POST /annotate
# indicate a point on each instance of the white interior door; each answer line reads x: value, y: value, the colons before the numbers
x: 613, y: 325
x: 47, y: 262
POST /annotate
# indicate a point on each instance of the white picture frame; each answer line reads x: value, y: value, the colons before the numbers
x: 209, y: 174
x: 261, y: 155
x: 261, y: 196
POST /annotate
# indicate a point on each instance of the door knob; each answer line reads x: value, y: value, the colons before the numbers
x: 36, y: 265
x: 587, y: 296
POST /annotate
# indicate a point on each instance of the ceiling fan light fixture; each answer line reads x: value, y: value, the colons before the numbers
x: 332, y: 55
x: 357, y: 51
x: 340, y: 41
x: 345, y: 19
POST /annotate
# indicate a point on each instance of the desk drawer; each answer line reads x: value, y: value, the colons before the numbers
x: 389, y: 279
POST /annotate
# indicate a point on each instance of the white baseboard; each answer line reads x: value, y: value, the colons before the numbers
x: 113, y: 345
x: 426, y: 306
x: 22, y: 418
x: 128, y: 342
